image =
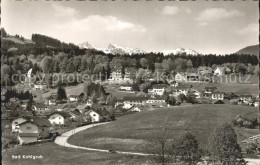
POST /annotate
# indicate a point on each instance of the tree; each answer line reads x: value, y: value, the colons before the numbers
x: 111, y: 100
x: 171, y: 100
x: 191, y: 98
x: 61, y: 92
x: 159, y: 146
x: 3, y: 32
x: 182, y: 97
x: 144, y: 62
x: 223, y: 147
x: 46, y: 64
x: 187, y: 150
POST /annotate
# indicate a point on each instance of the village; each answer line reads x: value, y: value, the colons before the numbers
x: 53, y: 116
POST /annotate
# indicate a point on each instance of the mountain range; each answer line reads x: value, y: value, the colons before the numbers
x: 117, y: 49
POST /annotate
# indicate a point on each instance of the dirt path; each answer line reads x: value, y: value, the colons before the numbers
x: 62, y: 140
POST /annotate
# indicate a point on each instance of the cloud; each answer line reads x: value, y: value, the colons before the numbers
x: 170, y: 10
x: 215, y: 14
x: 188, y: 10
x: 102, y: 23
x: 251, y: 28
x: 63, y: 11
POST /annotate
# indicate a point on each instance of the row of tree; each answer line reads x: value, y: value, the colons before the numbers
x: 222, y: 148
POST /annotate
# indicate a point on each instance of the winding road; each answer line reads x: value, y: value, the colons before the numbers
x: 63, y: 141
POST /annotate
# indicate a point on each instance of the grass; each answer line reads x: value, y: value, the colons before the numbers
x: 129, y: 132
x: 55, y: 155
x: 230, y: 87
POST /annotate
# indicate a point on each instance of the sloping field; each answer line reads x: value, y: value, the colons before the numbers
x: 128, y: 133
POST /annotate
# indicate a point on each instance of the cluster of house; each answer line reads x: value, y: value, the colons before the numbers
x: 118, y: 76
x: 32, y: 126
x: 157, y: 96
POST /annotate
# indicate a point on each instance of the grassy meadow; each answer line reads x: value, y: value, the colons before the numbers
x: 130, y: 132
x: 59, y: 155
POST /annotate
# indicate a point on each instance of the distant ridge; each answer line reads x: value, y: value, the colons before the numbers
x: 251, y: 50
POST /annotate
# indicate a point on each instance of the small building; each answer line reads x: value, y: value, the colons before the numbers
x: 82, y: 107
x: 217, y: 95
x: 220, y: 71
x: 131, y: 101
x: 40, y: 86
x: 181, y: 89
x: 205, y: 70
x: 40, y: 107
x: 74, y: 114
x: 209, y: 89
x: 16, y: 122
x: 33, y: 129
x: 52, y: 100
x: 95, y: 117
x: 136, y: 108
x: 73, y: 98
x: 245, y: 97
x: 192, y: 77
x: 89, y: 103
x: 158, y: 89
x: 56, y: 119
x: 180, y: 77
x: 174, y: 84
x: 159, y: 101
x: 125, y: 88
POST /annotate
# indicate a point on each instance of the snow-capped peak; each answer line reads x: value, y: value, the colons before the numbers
x: 179, y: 51
x: 117, y: 49
x: 85, y: 45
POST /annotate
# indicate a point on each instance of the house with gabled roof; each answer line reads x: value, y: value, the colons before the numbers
x: 33, y: 129
x: 209, y: 89
x: 131, y: 101
x: 158, y: 89
x: 217, y: 95
x: 220, y: 71
x: 73, y: 98
x: 156, y: 100
x: 56, y: 118
x: 94, y: 116
x: 180, y: 77
x: 40, y: 107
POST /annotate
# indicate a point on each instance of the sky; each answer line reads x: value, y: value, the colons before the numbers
x: 219, y: 27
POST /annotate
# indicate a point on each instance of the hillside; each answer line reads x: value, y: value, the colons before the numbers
x: 129, y: 132
x: 252, y: 50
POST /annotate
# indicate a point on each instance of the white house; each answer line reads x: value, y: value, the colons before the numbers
x: 40, y: 107
x: 56, y: 119
x: 196, y: 93
x: 16, y: 122
x: 156, y: 101
x: 157, y: 89
x: 136, y: 108
x: 220, y: 71
x: 246, y: 97
x: 89, y: 103
x: 95, y: 117
x: 129, y: 102
x: 181, y: 89
x: 217, y: 95
x: 73, y: 98
x: 179, y: 77
x: 40, y: 87
x: 125, y: 88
